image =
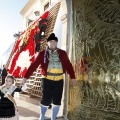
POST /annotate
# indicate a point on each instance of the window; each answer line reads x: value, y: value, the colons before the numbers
x: 46, y: 6
x: 29, y: 22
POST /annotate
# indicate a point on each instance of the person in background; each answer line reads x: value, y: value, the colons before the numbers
x: 0, y: 77
x: 54, y: 62
x: 4, y: 74
x: 0, y: 71
x: 8, y: 107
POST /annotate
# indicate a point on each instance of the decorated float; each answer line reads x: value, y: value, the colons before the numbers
x: 27, y: 46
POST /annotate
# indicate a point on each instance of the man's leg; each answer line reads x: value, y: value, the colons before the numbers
x: 43, y: 110
x: 57, y: 96
x: 55, y: 110
x: 46, y: 97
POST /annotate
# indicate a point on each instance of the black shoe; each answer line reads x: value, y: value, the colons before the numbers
x: 50, y: 106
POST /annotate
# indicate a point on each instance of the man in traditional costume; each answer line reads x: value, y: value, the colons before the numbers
x: 53, y: 62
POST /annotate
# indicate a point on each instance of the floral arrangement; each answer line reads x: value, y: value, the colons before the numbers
x: 23, y: 53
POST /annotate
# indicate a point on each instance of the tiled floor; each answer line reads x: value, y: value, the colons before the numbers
x: 29, y: 108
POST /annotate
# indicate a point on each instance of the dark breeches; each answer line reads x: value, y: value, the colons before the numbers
x: 51, y: 92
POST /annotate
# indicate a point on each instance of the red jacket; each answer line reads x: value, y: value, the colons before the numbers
x: 66, y: 65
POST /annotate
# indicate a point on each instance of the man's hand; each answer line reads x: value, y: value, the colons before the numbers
x: 23, y: 81
x: 73, y: 81
x: 24, y: 87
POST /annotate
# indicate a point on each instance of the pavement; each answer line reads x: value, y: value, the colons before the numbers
x: 28, y: 108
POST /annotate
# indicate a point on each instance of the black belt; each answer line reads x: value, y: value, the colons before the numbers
x: 54, y: 74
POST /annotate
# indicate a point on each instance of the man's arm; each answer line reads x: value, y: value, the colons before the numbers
x: 69, y: 66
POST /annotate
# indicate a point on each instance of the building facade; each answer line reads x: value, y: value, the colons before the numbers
x: 90, y: 34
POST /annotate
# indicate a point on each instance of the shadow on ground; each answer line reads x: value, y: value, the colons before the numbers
x: 26, y: 112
